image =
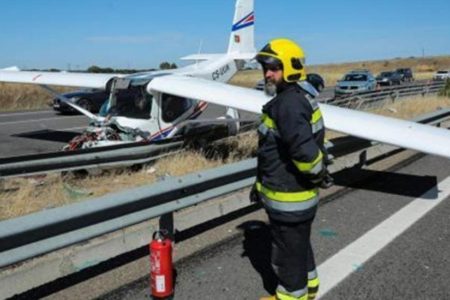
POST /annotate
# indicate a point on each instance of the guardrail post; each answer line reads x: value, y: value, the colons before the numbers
x: 362, y: 159
x: 359, y: 102
x: 426, y: 90
x: 166, y: 223
x: 394, y: 96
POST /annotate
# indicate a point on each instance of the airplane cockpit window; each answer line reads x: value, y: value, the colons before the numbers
x: 173, y: 107
x: 133, y: 102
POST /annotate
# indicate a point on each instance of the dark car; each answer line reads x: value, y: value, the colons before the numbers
x: 316, y: 80
x: 89, y: 99
x: 389, y: 78
x: 406, y: 73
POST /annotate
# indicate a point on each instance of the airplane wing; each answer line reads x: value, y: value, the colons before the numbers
x: 13, y: 68
x: 201, y: 56
x: 234, y: 55
x: 365, y: 125
x: 89, y: 80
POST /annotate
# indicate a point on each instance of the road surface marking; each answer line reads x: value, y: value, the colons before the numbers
x: 26, y: 113
x: 342, y: 264
x: 37, y: 120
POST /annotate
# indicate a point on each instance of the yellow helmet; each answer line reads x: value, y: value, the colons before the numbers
x: 287, y: 54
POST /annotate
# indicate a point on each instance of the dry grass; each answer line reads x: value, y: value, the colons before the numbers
x: 247, y: 78
x: 15, y: 97
x: 414, y: 106
x: 423, y: 68
x: 22, y: 196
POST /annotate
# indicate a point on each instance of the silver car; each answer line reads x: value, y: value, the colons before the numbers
x: 356, y: 82
x: 441, y: 75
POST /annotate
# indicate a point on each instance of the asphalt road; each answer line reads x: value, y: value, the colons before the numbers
x: 34, y: 132
x: 374, y: 242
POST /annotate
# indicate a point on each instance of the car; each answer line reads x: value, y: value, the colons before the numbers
x: 441, y: 75
x: 354, y: 82
x: 89, y: 99
x: 389, y: 78
x: 314, y: 79
x: 406, y: 73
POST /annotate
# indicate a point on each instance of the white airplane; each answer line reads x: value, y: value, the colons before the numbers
x: 205, y: 81
x: 147, y: 116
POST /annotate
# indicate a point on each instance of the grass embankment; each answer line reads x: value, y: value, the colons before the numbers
x: 15, y: 97
x: 21, y: 196
x: 423, y: 68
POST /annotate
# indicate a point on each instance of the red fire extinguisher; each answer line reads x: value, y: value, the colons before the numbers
x: 161, y: 271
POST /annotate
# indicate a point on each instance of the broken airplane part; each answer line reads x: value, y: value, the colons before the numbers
x: 152, y: 117
x: 206, y: 79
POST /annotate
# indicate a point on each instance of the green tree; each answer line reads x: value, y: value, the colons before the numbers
x: 164, y: 65
x: 94, y: 69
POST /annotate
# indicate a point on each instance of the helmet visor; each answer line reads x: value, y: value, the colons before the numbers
x: 269, y: 62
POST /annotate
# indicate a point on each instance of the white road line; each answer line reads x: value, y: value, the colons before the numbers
x: 345, y: 262
x: 75, y: 128
x: 37, y: 120
x: 26, y: 113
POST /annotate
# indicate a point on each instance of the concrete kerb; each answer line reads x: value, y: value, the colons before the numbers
x: 38, y: 271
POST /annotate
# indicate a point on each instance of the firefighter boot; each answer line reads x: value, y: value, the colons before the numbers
x: 269, y: 298
x: 313, y: 288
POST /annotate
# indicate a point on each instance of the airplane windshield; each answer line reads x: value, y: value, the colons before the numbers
x: 133, y: 102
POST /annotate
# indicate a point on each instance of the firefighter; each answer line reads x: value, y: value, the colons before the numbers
x: 290, y: 168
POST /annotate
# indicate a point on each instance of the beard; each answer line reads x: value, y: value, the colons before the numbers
x: 270, y: 88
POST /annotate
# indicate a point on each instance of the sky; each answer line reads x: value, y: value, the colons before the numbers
x: 140, y: 34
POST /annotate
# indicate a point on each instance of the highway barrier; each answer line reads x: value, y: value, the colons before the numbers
x: 378, y: 98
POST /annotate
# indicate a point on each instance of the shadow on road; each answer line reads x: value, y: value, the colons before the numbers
x: 49, y: 135
x: 387, y: 182
x: 257, y: 247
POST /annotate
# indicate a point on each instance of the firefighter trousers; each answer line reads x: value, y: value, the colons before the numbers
x: 292, y: 254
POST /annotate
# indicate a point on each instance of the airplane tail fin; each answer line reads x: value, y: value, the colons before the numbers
x: 242, y: 40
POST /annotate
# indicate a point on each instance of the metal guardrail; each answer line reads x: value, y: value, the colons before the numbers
x: 45, y: 231
x: 127, y: 154
x: 374, y: 99
x: 28, y: 236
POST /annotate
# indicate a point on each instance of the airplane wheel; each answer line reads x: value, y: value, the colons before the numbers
x: 86, y: 104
